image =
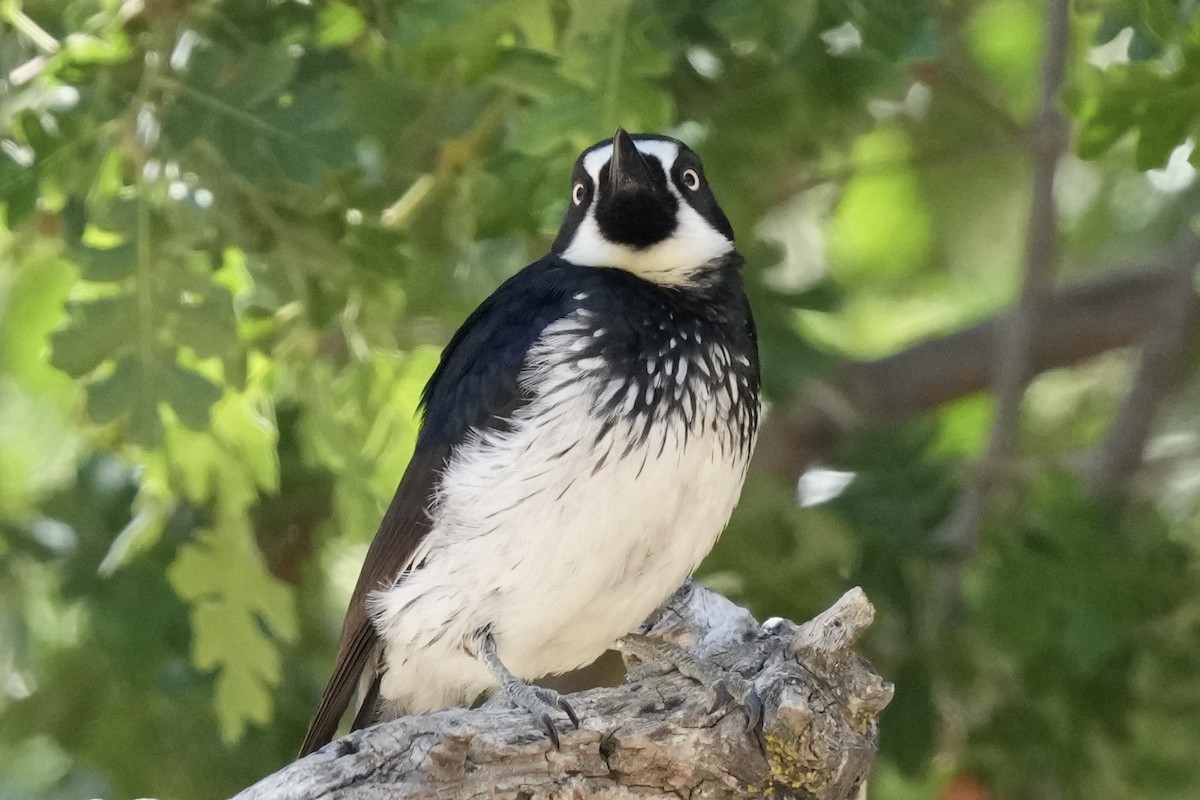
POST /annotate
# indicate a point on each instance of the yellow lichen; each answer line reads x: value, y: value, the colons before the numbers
x: 787, y: 765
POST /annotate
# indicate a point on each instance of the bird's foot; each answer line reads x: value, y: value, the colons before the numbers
x: 537, y: 700
x: 726, y: 688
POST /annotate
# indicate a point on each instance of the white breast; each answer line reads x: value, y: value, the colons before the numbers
x: 562, y: 534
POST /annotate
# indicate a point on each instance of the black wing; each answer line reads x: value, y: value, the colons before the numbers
x: 475, y: 386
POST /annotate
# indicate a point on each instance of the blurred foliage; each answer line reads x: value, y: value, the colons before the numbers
x: 237, y: 234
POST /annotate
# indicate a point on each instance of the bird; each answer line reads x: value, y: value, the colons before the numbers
x: 584, y: 440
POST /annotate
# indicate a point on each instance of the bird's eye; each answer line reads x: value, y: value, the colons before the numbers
x: 691, y: 179
x: 577, y: 193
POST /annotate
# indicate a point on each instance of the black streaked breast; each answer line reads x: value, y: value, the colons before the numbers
x: 665, y: 353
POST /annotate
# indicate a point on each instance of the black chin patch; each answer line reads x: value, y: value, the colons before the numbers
x: 639, y: 219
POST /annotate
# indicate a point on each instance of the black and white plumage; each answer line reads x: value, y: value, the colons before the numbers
x: 585, y: 439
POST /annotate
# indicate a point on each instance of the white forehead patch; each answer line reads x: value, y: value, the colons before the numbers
x: 673, y: 261
x: 666, y: 153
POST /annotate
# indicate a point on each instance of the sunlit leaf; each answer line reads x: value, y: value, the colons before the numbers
x: 239, y: 614
x: 340, y: 24
x: 881, y: 227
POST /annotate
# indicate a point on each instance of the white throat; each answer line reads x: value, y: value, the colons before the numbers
x: 673, y: 261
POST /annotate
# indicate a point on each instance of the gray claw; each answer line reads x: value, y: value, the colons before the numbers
x: 534, y: 699
x: 754, y: 712
x: 570, y: 712
x: 721, y: 697
x: 729, y: 690
x: 551, y: 731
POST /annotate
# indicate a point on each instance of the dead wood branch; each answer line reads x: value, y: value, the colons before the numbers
x: 650, y: 737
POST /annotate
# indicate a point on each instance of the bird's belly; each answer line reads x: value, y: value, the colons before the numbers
x: 559, y: 536
x: 604, y: 556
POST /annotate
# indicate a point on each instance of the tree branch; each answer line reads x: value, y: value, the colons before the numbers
x: 651, y: 737
x: 1082, y: 321
x: 1015, y: 367
x: 1119, y: 454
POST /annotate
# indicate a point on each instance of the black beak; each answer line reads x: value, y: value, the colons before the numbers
x: 635, y: 207
x: 627, y: 171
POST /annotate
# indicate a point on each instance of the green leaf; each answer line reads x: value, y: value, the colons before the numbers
x: 114, y: 394
x: 535, y: 19
x: 1103, y: 129
x: 35, y: 289
x: 340, y: 24
x: 98, y: 330
x: 107, y: 265
x: 18, y: 183
x: 253, y: 110
x: 245, y: 424
x: 38, y: 448
x: 1006, y: 40
x: 209, y: 326
x: 1160, y: 106
x: 258, y: 77
x: 190, y: 395
x: 1160, y: 17
x: 82, y: 48
x: 239, y: 612
x: 882, y: 225
x: 142, y: 532
x: 127, y: 393
x: 610, y: 73
x: 363, y: 426
x: 1164, y: 127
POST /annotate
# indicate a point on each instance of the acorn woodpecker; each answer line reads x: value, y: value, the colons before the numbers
x: 585, y: 438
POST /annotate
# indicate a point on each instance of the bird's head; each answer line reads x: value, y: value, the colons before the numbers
x: 641, y: 203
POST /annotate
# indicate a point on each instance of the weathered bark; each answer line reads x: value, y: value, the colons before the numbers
x: 653, y: 736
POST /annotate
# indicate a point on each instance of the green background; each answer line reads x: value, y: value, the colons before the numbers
x: 237, y: 234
